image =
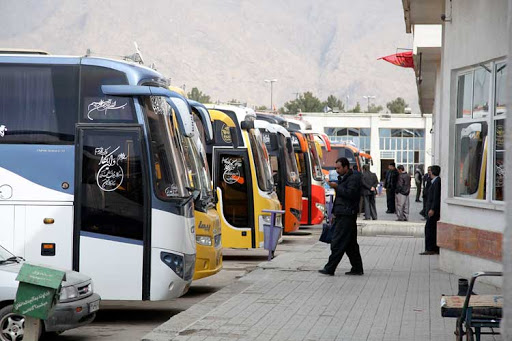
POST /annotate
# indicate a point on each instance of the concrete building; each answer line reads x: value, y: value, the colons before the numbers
x: 460, y: 49
x: 405, y: 139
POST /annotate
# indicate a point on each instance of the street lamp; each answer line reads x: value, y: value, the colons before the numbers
x: 369, y: 98
x: 271, y: 81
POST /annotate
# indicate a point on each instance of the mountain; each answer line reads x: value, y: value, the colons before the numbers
x: 227, y: 48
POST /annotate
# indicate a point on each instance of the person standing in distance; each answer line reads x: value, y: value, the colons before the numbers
x: 433, y: 213
x: 403, y: 188
x: 344, y: 237
x: 418, y: 177
x: 427, y: 180
x: 369, y: 184
x: 390, y: 185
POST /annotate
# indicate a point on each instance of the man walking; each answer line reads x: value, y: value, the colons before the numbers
x: 344, y: 237
x: 418, y: 175
x: 390, y: 185
x: 426, y: 187
x: 403, y: 188
x: 369, y: 184
x: 433, y: 213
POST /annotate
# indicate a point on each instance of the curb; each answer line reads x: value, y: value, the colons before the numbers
x: 390, y: 228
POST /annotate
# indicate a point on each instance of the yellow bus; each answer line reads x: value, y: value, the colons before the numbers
x: 207, y: 221
x: 242, y: 177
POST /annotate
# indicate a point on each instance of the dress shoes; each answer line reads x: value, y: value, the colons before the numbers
x: 428, y: 253
x: 325, y: 272
x: 354, y: 273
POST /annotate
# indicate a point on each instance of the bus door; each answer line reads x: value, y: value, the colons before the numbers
x: 300, y: 146
x: 232, y: 178
x: 317, y: 202
x: 111, y: 213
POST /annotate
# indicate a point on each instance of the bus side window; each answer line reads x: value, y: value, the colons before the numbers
x: 38, y: 104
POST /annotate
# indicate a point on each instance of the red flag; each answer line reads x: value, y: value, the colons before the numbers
x: 403, y: 59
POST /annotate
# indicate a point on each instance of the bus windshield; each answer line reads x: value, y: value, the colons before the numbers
x: 261, y: 161
x: 315, y: 162
x: 197, y: 168
x: 167, y: 158
x: 292, y: 172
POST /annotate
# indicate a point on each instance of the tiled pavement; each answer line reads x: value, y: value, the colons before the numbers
x: 287, y: 299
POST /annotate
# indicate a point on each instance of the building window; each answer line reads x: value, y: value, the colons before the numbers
x: 359, y: 136
x: 480, y: 114
x: 407, y: 144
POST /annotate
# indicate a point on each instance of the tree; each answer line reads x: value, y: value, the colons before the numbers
x: 334, y: 102
x: 357, y: 108
x: 198, y: 96
x: 375, y: 108
x: 261, y: 108
x: 397, y: 105
x: 306, y: 102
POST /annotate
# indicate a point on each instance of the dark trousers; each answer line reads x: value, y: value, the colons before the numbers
x: 370, y: 211
x: 423, y: 211
x: 390, y: 197
x: 418, y: 191
x: 344, y: 240
x: 431, y: 234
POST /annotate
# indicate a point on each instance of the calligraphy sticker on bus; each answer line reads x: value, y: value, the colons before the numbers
x: 232, y: 173
x: 110, y: 175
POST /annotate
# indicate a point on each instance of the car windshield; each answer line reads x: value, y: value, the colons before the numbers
x: 292, y: 172
x: 4, y: 254
x: 261, y: 161
x: 168, y: 163
x: 315, y: 162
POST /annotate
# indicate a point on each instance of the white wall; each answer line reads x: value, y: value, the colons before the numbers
x: 476, y: 34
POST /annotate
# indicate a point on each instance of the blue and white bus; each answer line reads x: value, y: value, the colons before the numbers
x: 92, y: 175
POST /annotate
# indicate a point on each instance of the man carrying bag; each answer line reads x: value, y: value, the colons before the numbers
x: 344, y: 229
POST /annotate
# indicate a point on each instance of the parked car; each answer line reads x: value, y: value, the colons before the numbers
x: 76, y: 307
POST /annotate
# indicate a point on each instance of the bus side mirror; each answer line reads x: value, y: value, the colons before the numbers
x: 234, y: 137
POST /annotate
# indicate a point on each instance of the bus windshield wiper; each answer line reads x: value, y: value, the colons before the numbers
x: 11, y: 259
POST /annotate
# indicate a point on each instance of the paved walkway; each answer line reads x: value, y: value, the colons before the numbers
x: 287, y: 299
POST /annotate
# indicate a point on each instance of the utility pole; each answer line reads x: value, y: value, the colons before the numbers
x: 271, y: 81
x: 369, y: 98
x: 296, y: 94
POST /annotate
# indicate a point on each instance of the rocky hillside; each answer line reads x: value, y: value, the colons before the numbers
x: 227, y: 48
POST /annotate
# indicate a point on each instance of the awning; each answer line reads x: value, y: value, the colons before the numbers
x: 403, y: 59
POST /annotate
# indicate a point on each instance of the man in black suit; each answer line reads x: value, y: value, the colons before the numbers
x: 427, y: 180
x: 369, y: 184
x: 433, y: 213
x: 346, y: 206
x: 390, y: 185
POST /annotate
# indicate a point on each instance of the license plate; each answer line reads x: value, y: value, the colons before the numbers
x: 94, y: 306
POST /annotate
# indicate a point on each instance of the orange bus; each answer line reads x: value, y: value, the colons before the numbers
x: 343, y: 149
x: 311, y: 176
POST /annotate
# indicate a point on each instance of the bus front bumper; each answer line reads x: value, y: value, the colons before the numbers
x: 208, y: 261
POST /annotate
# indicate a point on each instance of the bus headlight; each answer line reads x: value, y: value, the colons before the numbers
x: 174, y: 261
x: 204, y: 240
x: 266, y: 219
x: 321, y: 207
x: 182, y: 265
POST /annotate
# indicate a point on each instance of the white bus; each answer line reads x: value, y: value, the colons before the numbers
x: 92, y: 175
